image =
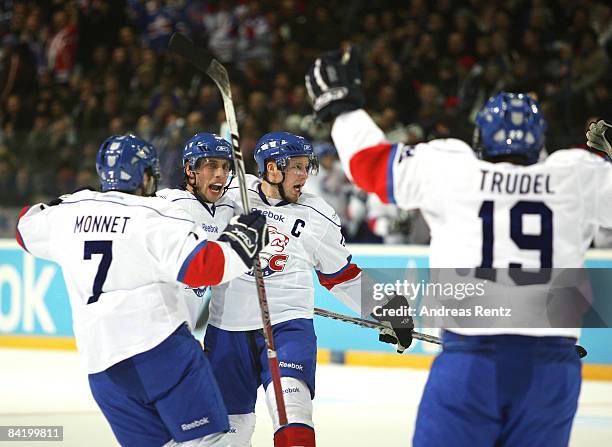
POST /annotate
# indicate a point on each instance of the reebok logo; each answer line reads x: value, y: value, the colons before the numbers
x: 195, y: 424
x: 210, y: 228
x: 291, y: 365
x: 291, y: 390
x: 271, y: 215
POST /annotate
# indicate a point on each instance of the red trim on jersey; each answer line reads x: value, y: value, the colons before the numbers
x: 372, y: 225
x: 369, y: 170
x: 204, y: 266
x: 350, y: 272
x: 17, y: 233
x: 295, y: 435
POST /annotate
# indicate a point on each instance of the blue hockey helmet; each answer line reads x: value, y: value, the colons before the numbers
x: 510, y: 124
x: 324, y: 149
x: 280, y: 147
x: 122, y: 160
x: 206, y: 145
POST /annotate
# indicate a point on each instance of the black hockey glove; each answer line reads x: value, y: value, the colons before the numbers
x: 334, y: 84
x: 247, y: 234
x: 399, y: 331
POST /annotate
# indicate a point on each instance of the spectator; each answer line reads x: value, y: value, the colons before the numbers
x: 259, y: 109
x: 16, y: 115
x: 208, y: 103
x: 100, y: 63
x: 221, y: 25
x: 254, y: 35
x: 61, y: 52
x: 591, y: 64
x: 17, y: 69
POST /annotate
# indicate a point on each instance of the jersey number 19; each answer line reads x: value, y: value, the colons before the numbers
x: 542, y: 242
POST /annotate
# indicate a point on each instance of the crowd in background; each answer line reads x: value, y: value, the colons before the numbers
x: 73, y: 72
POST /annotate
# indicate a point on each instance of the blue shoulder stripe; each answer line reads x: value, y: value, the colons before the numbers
x: 187, y: 261
x: 390, y: 192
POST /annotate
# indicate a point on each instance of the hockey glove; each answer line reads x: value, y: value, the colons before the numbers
x: 247, y: 234
x: 334, y: 84
x: 596, y: 137
x: 399, y: 331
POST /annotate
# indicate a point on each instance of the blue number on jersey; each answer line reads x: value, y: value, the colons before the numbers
x: 542, y: 242
x: 105, y: 248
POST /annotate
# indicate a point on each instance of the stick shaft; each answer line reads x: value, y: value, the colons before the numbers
x: 582, y: 352
x: 372, y: 324
x: 257, y: 271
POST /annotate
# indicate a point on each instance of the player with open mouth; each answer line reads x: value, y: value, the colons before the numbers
x: 305, y: 236
x: 207, y: 164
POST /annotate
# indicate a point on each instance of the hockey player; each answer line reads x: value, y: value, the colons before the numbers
x: 516, y: 386
x: 304, y: 235
x: 207, y: 164
x: 123, y: 257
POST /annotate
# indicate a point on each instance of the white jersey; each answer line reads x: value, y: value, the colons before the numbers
x: 484, y: 214
x: 303, y: 236
x: 213, y: 218
x: 332, y: 186
x: 122, y: 257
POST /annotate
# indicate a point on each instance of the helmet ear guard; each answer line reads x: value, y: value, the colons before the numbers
x: 510, y: 125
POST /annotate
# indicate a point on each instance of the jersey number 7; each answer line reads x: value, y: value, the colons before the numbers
x: 104, y: 248
x: 542, y: 242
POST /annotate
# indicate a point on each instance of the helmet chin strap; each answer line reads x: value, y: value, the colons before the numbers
x: 279, y: 185
x: 192, y: 180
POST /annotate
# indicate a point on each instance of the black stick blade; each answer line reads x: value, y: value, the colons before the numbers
x: 184, y: 47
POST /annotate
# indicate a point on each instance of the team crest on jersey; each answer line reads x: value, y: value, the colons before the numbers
x: 274, y: 260
x: 200, y: 291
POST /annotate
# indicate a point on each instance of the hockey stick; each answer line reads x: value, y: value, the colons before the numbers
x: 376, y: 325
x: 372, y: 325
x: 204, y: 61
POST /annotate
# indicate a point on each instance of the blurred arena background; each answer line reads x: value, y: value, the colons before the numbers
x: 74, y: 72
